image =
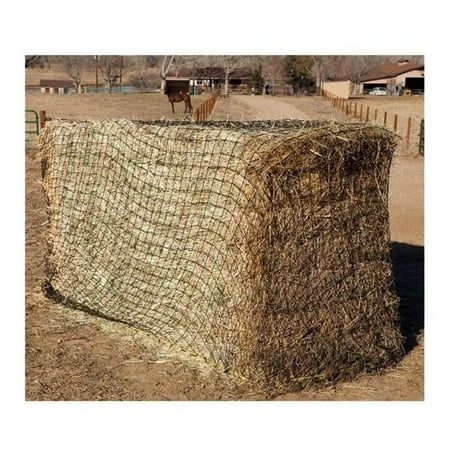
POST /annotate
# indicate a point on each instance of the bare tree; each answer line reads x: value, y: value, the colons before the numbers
x: 144, y: 80
x: 272, y: 70
x: 75, y: 67
x: 355, y: 66
x: 229, y: 63
x: 324, y: 67
x: 165, y: 67
x: 32, y: 60
x: 111, y: 68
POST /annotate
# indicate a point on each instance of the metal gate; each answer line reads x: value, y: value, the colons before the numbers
x: 31, y: 123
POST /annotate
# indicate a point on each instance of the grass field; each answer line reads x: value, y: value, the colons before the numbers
x: 113, y: 106
x: 71, y: 355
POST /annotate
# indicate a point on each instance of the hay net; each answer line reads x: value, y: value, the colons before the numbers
x: 261, y: 248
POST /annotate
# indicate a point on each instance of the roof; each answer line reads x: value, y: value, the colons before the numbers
x: 391, y: 70
x: 177, y: 79
x: 212, y: 72
x: 56, y: 83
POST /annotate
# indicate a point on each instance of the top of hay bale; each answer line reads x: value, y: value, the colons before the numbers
x: 270, y: 143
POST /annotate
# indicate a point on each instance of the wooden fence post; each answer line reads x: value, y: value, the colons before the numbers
x: 367, y: 114
x: 422, y: 138
x: 395, y: 122
x: 42, y: 119
x: 355, y: 113
x: 385, y: 118
x: 375, y: 115
x: 408, y: 132
x: 361, y: 113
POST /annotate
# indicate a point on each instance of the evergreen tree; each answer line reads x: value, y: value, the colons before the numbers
x: 257, y: 80
x: 299, y: 71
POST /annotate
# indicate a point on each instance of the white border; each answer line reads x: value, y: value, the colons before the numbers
x: 204, y: 27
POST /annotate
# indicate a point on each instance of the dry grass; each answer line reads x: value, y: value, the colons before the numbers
x: 34, y: 75
x: 113, y: 106
x: 404, y: 106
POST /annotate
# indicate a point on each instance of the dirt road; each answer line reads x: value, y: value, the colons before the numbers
x: 265, y: 107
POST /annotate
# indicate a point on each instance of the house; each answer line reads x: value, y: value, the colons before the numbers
x: 56, y: 86
x: 201, y: 78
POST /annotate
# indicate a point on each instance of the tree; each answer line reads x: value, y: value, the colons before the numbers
x: 229, y: 63
x: 37, y: 61
x: 299, y: 71
x: 272, y: 70
x: 323, y: 67
x: 111, y: 68
x: 31, y: 60
x: 165, y: 67
x: 144, y: 80
x: 355, y: 66
x: 75, y: 66
x: 257, y: 80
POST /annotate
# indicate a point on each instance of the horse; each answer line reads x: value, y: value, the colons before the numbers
x: 175, y: 97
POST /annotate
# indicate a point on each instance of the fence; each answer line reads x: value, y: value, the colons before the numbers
x: 408, y: 128
x: 422, y: 138
x: 206, y: 108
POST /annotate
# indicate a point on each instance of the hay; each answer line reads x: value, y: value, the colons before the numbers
x: 262, y: 248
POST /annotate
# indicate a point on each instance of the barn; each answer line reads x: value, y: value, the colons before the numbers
x: 56, y: 86
x: 177, y: 84
x: 394, y: 77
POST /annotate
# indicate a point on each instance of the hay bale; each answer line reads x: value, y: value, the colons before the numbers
x: 261, y: 247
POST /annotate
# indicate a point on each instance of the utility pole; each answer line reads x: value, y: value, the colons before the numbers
x: 120, y: 76
x: 96, y: 73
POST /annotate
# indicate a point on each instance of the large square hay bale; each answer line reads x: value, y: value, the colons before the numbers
x: 262, y: 248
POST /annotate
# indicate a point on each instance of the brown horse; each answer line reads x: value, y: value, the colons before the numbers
x: 175, y: 97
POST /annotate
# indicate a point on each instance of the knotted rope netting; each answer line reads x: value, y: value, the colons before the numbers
x: 261, y: 247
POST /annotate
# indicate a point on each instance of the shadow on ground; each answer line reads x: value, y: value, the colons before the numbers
x: 408, y: 270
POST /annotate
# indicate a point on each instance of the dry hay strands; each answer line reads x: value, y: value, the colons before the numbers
x: 260, y: 248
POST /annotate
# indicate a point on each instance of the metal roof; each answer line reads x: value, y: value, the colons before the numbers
x: 391, y: 70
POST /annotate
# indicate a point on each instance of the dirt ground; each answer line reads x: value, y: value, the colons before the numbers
x: 71, y: 355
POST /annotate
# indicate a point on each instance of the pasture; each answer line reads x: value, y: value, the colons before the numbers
x: 71, y: 355
x: 112, y: 106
